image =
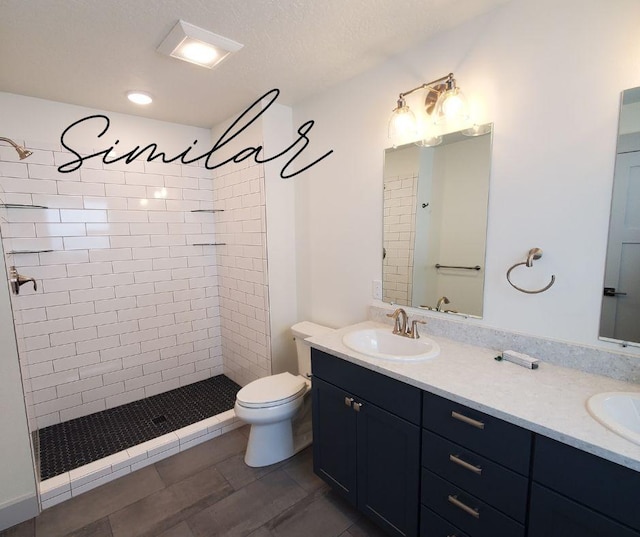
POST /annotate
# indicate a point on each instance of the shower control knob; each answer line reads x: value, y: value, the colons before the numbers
x: 16, y: 280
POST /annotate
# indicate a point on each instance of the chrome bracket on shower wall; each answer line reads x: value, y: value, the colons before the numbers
x: 534, y: 254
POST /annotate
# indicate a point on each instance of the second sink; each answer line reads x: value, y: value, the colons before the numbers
x: 618, y: 411
x: 382, y: 343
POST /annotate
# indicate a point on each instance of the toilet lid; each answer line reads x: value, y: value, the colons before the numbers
x: 271, y: 391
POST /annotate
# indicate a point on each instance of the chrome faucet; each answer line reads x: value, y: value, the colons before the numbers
x: 399, y: 327
x: 440, y: 301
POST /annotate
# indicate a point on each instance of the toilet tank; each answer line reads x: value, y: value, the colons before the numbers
x: 301, y: 331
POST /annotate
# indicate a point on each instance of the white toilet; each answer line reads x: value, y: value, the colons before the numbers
x: 278, y: 407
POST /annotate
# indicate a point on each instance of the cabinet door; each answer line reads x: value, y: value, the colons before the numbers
x: 553, y: 515
x: 388, y: 469
x: 334, y: 438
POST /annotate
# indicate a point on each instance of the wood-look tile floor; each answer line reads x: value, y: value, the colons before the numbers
x: 206, y: 491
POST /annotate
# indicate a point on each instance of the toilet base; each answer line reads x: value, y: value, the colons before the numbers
x: 269, y: 444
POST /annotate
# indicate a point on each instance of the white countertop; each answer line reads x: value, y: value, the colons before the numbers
x: 550, y: 400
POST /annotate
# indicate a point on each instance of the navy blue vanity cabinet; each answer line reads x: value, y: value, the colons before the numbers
x: 576, y: 494
x: 475, y: 472
x: 366, y: 441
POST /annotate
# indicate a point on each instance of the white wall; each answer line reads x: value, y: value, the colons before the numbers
x: 18, y: 499
x: 281, y: 231
x: 549, y: 75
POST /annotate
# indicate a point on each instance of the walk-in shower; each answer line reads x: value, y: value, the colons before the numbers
x: 151, y: 300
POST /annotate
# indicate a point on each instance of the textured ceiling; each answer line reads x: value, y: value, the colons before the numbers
x: 90, y: 52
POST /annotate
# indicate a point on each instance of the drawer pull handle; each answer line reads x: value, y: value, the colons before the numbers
x: 457, y: 460
x: 348, y: 401
x: 357, y: 406
x: 470, y: 510
x: 461, y: 417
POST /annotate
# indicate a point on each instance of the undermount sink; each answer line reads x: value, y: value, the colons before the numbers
x: 618, y: 411
x: 383, y: 343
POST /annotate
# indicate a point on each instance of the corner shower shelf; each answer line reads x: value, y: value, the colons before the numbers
x: 207, y: 210
x: 21, y: 206
x: 14, y: 252
x: 208, y: 243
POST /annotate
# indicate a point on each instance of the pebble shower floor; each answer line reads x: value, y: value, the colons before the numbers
x: 69, y: 445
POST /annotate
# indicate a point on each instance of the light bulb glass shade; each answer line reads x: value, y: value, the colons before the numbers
x: 430, y: 141
x: 402, y: 126
x: 451, y: 107
x: 477, y: 130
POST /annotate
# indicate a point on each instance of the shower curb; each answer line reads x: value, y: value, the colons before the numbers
x: 75, y: 482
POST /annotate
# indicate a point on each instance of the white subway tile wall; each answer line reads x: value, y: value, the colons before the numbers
x: 126, y: 305
x: 399, y: 236
x: 242, y: 272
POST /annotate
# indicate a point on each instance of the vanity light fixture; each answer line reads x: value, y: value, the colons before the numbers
x: 477, y: 130
x: 403, y: 124
x: 444, y: 103
x: 198, y: 46
x: 139, y: 97
x: 430, y: 141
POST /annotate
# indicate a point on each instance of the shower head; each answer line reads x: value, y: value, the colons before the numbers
x: 22, y: 152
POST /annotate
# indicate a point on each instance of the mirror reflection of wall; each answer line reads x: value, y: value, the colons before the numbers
x: 620, y: 318
x: 435, y: 213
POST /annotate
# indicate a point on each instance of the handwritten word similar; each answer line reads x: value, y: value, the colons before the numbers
x: 251, y: 114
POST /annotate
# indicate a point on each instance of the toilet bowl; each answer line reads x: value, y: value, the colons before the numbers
x: 271, y: 405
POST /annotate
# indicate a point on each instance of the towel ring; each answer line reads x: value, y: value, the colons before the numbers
x: 534, y: 254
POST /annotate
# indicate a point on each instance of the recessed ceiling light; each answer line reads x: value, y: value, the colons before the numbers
x: 195, y: 45
x: 139, y: 97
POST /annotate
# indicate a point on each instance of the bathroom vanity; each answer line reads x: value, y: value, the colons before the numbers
x: 366, y: 430
x: 464, y: 445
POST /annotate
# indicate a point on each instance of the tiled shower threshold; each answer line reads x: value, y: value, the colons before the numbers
x: 75, y: 482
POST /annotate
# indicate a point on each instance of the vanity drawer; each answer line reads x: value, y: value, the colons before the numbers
x: 465, y: 511
x: 604, y: 486
x: 394, y: 396
x: 554, y: 515
x: 491, y: 437
x: 432, y: 525
x: 492, y: 483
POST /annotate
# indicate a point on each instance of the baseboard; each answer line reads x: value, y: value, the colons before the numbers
x: 18, y: 510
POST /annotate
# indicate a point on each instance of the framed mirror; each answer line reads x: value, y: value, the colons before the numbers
x: 620, y: 315
x: 435, y: 222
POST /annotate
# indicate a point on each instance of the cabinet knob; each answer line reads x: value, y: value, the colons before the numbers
x: 357, y: 406
x: 348, y: 401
